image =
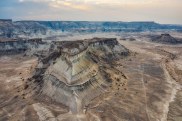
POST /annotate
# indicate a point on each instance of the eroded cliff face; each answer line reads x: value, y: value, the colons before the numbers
x: 25, y: 46
x: 79, y: 71
x: 31, y: 29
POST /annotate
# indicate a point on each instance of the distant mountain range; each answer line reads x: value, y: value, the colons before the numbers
x: 9, y: 28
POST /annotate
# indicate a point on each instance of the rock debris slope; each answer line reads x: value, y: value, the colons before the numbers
x: 79, y: 71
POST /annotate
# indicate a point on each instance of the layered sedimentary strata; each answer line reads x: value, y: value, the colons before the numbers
x: 29, y: 29
x: 79, y: 71
x: 25, y: 46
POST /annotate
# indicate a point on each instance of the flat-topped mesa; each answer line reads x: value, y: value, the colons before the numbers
x: 107, y: 41
x: 80, y: 71
x: 79, y: 57
x: 6, y: 20
x: 72, y: 48
x: 110, y: 45
x: 165, y: 35
x: 166, y: 39
x: 17, y: 46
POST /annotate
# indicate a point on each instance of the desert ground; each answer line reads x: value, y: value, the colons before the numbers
x: 150, y: 89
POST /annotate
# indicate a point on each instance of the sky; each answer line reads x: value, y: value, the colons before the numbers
x: 160, y: 11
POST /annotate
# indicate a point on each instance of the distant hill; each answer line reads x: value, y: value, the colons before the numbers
x: 9, y: 28
x: 165, y: 38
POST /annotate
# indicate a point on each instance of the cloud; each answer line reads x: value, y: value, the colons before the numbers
x: 162, y: 11
x: 72, y: 5
x: 76, y: 4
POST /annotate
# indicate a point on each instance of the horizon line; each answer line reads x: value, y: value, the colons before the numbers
x: 29, y: 20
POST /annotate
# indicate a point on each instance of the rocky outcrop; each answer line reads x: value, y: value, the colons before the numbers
x: 6, y: 28
x: 27, y: 46
x: 166, y: 39
x: 29, y: 29
x: 79, y: 71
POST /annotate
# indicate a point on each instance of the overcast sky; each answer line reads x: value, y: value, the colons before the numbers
x: 161, y: 11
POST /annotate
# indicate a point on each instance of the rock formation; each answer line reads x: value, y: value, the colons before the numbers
x: 78, y: 71
x: 166, y: 39
x: 27, y: 46
x: 30, y: 29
